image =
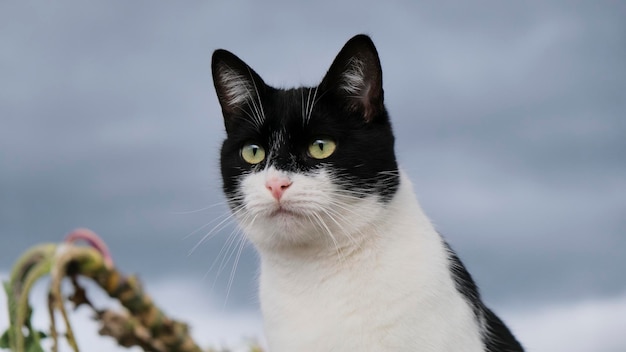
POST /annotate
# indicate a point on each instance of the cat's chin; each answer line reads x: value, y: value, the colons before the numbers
x: 284, y: 214
x: 282, y: 228
x: 283, y: 221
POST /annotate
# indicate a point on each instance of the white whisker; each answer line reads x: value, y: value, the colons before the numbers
x: 240, y: 246
x: 215, y: 229
x: 217, y: 218
x: 222, y: 254
x: 312, y: 105
x: 330, y: 234
x: 185, y: 212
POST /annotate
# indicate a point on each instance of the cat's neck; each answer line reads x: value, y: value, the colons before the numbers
x: 402, y: 267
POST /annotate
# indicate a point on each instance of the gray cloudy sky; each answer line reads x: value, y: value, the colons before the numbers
x: 510, y: 119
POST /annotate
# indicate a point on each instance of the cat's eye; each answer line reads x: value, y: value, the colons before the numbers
x: 252, y: 153
x: 322, y: 148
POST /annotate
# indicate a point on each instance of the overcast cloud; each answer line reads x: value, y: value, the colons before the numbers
x: 510, y: 119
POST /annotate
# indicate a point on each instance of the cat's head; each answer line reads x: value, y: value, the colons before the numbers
x: 311, y: 165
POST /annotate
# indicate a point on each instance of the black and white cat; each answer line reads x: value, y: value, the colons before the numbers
x: 349, y: 261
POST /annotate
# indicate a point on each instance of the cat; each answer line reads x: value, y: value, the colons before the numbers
x: 349, y: 261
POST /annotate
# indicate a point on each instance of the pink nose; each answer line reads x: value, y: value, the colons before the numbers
x: 277, y: 186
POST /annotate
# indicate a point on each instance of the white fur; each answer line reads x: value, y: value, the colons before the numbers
x: 237, y: 88
x: 353, y: 79
x: 362, y: 277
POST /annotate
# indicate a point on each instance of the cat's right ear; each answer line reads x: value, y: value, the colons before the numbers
x: 238, y: 87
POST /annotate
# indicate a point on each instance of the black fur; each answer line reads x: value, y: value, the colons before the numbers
x: 364, y: 160
x: 497, y: 337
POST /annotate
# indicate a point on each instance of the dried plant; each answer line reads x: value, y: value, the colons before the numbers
x: 141, y: 323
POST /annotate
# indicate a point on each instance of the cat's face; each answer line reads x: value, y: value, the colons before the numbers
x: 306, y: 166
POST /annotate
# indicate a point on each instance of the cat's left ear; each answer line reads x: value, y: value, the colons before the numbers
x: 356, y: 78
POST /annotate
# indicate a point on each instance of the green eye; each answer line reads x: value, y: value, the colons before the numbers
x: 252, y: 153
x: 322, y: 148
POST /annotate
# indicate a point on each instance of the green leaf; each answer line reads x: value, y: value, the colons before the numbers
x: 33, y: 347
x: 32, y: 342
x: 4, y: 339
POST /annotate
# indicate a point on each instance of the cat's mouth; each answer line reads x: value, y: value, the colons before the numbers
x: 281, y: 211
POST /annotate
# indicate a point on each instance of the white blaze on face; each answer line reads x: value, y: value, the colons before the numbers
x: 312, y: 208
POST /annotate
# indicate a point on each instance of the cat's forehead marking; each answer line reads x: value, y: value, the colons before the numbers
x: 278, y: 139
x: 280, y: 154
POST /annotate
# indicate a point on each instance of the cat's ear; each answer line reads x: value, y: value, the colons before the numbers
x: 356, y: 78
x: 238, y: 87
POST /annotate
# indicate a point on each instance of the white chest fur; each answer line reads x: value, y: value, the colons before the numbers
x: 392, y: 292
